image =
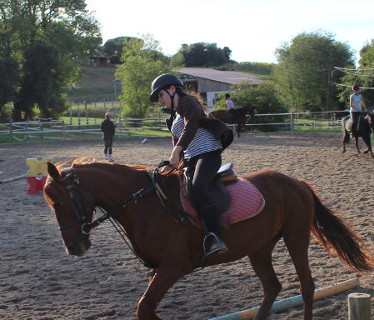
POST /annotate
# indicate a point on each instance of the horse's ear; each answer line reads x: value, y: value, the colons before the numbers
x: 53, y: 171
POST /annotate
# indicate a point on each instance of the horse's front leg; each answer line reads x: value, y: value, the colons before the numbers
x: 345, y: 139
x: 368, y: 144
x: 158, y: 285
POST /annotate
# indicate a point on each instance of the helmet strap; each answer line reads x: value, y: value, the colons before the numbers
x: 172, y: 109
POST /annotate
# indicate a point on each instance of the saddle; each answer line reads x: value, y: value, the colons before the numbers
x: 349, y: 123
x: 238, y: 198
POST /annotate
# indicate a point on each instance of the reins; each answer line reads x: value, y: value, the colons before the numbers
x: 77, y: 200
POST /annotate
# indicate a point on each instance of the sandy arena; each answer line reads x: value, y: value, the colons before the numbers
x: 39, y: 281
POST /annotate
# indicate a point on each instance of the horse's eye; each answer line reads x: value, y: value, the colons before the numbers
x: 58, y: 205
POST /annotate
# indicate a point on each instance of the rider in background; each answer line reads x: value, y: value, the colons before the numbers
x: 200, y: 141
x: 357, y: 106
x: 231, y: 106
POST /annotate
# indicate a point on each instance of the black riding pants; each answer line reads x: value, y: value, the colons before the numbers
x: 355, y: 120
x: 205, y: 167
x: 108, y: 143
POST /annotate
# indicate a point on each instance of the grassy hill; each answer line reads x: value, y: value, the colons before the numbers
x: 97, y: 85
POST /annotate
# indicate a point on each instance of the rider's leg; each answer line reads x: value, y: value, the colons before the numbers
x: 106, y: 147
x: 205, y: 167
x: 355, y: 119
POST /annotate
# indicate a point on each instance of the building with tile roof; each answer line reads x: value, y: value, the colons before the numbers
x: 211, y: 82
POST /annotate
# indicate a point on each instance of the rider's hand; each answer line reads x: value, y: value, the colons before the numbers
x: 175, y: 156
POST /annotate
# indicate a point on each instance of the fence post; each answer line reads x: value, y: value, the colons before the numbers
x: 71, y: 113
x: 85, y: 108
x: 292, y: 121
x: 10, y: 131
x: 359, y: 306
x: 40, y: 130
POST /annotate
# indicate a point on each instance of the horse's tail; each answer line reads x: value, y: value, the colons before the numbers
x: 336, y: 236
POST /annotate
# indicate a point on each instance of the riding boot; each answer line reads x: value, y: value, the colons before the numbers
x: 213, y: 242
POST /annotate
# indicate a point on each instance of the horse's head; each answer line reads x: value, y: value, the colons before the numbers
x: 72, y: 206
x: 249, y: 110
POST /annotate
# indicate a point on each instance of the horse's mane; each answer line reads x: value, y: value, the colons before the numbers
x: 83, y: 162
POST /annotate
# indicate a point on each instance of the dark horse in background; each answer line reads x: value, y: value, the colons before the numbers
x: 363, y: 130
x: 239, y: 116
x: 173, y: 248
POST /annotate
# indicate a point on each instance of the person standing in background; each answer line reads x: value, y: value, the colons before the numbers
x: 108, y: 128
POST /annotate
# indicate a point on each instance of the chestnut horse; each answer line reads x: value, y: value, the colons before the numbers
x: 173, y: 248
x: 227, y: 116
x: 365, y: 127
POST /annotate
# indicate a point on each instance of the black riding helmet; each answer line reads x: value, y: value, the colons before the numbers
x: 161, y: 82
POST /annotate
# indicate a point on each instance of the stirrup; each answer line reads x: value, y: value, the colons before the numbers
x: 216, y: 244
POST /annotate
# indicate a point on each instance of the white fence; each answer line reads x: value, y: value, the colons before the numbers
x: 84, y: 129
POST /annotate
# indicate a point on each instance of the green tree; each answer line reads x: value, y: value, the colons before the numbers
x: 363, y: 76
x: 113, y: 48
x: 8, y: 83
x: 303, y: 74
x: 41, y: 83
x: 263, y: 97
x: 141, y: 64
x: 203, y: 54
x: 367, y: 65
x: 66, y: 25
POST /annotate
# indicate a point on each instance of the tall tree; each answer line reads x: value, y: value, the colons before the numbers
x: 203, y: 54
x: 367, y: 65
x: 113, y: 48
x: 141, y: 64
x: 65, y: 24
x: 362, y: 76
x: 41, y: 82
x: 303, y: 74
x: 8, y: 83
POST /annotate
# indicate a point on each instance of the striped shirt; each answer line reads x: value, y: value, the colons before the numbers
x: 202, y: 142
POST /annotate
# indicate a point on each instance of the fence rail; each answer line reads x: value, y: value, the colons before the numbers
x: 90, y: 128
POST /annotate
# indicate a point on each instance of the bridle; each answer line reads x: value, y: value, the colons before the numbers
x: 77, y: 200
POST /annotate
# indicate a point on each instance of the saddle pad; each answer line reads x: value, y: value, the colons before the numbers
x: 246, y: 202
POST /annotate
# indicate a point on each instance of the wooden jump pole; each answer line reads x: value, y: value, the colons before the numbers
x: 13, y: 178
x: 293, y: 301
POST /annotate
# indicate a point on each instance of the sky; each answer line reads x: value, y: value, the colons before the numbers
x: 252, y: 29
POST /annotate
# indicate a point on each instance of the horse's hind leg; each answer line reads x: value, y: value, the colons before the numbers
x: 298, y: 249
x: 262, y: 265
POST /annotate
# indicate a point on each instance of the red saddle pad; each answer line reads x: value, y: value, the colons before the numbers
x: 246, y: 202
